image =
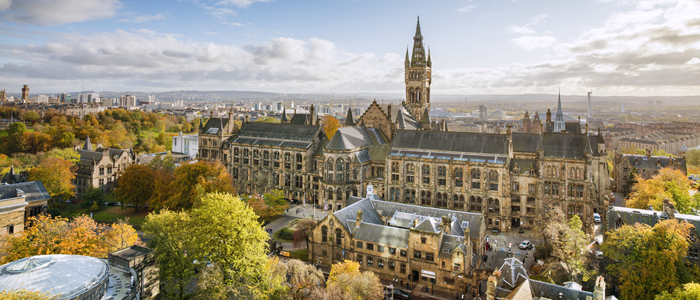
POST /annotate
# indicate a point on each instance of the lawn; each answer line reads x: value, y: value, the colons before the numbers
x: 283, y: 235
x: 108, y: 214
x: 4, y: 132
x: 300, y: 254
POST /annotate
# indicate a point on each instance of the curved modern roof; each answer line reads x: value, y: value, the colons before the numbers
x: 66, y: 275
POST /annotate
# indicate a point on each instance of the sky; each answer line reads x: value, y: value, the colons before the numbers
x: 478, y: 47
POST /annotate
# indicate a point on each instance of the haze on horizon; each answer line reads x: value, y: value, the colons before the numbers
x: 615, y: 47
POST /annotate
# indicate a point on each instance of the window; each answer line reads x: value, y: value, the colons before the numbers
x: 429, y: 256
x: 102, y: 182
x: 555, y: 189
x: 324, y: 253
x: 359, y: 259
x: 458, y: 176
x: 369, y: 246
x: 493, y: 186
x: 359, y: 245
x: 338, y: 236
x: 403, y: 253
x: 369, y: 261
x: 530, y: 188
x: 457, y: 267
x: 324, y: 234
x: 423, y: 240
x: 102, y: 171
x: 449, y: 281
x: 380, y: 263
x: 392, y: 266
x: 515, y: 199
x: 109, y: 170
x: 515, y: 208
x: 425, y: 170
x: 380, y: 248
x: 458, y: 202
x: 516, y: 186
x: 392, y: 251
x: 403, y: 268
x: 410, y: 173
x: 11, y: 229
x: 425, y: 198
x: 417, y: 254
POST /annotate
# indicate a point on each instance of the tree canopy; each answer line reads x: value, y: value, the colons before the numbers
x: 690, y: 291
x: 649, y: 260
x: 56, y: 175
x: 192, y: 181
x: 669, y: 183
x: 345, y: 281
x: 135, y: 186
x: 330, y: 125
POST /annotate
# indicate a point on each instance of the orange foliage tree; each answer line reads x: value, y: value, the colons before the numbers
x: 135, y: 186
x: 330, y: 125
x: 56, y: 175
x: 192, y: 181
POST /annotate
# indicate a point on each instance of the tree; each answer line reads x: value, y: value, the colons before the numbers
x: 26, y: 295
x: 690, y: 291
x: 169, y: 234
x: 629, y: 183
x: 46, y: 235
x: 31, y: 116
x: 668, y: 184
x: 301, y: 234
x: 229, y: 235
x: 192, y: 181
x: 302, y: 279
x: 16, y: 127
x: 693, y: 157
x: 346, y: 280
x: 122, y: 235
x: 649, y: 260
x: 68, y: 154
x: 56, y: 175
x: 330, y: 125
x: 566, y: 245
x: 92, y: 196
x: 267, y: 120
x: 135, y: 186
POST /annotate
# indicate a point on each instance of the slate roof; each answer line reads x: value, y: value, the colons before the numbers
x: 451, y: 141
x: 378, y: 152
x: 381, y: 234
x: 552, y: 291
x: 349, y: 137
x: 631, y: 216
x: 349, y: 213
x: 11, y: 177
x: 409, y: 122
x: 301, y: 119
x: 279, y: 131
x: 214, y: 125
x: 572, y: 127
x: 525, y: 142
x: 650, y: 163
x: 565, y: 145
x: 512, y: 273
x: 388, y: 210
x: 33, y: 191
x: 451, y: 243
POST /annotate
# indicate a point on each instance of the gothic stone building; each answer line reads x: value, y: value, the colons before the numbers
x: 100, y: 168
x: 647, y: 166
x: 425, y: 245
x: 510, y: 178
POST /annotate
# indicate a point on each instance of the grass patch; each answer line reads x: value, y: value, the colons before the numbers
x: 283, y: 235
x: 107, y: 214
x: 4, y: 132
x: 268, y: 220
x: 300, y: 254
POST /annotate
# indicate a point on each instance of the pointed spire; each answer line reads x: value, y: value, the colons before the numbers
x: 12, y: 170
x: 400, y: 122
x: 284, y: 114
x: 430, y: 61
x: 540, y: 145
x: 87, y: 146
x: 425, y: 119
x: 201, y: 124
x: 349, y: 119
x: 588, y: 149
x: 418, y: 33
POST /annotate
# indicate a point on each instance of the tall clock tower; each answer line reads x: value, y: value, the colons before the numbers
x: 418, y: 77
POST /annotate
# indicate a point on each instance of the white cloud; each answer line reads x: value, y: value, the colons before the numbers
x: 529, y: 42
x: 693, y: 61
x: 51, y: 12
x: 527, y: 28
x: 241, y: 3
x: 466, y: 8
x: 139, y: 18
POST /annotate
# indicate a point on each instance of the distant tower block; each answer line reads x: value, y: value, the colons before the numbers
x: 589, y: 104
x: 622, y: 107
x: 25, y: 93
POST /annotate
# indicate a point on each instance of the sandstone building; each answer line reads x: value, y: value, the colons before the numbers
x: 100, y: 168
x: 511, y: 178
x: 647, y: 166
x: 19, y: 202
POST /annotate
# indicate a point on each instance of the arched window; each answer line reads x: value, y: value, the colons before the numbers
x: 266, y: 154
x: 410, y: 196
x: 339, y: 194
x: 338, y: 236
x: 425, y: 198
x: 340, y: 166
x: 329, y: 194
x: 324, y: 234
x: 619, y: 223
x: 236, y: 151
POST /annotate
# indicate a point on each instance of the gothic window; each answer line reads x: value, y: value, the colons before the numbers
x: 425, y: 170
x: 619, y: 223
x: 547, y: 188
x: 338, y: 236
x: 425, y: 198
x: 458, y: 202
x: 266, y: 154
x: 276, y: 155
x: 236, y: 151
x: 324, y: 234
x: 329, y: 194
x: 555, y: 189
x: 339, y: 194
x: 246, y: 152
x: 476, y: 179
x: 411, y: 196
x: 458, y: 175
x: 410, y: 173
x: 287, y: 180
x: 579, y: 191
x: 340, y: 164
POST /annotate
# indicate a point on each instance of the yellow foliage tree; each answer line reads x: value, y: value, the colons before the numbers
x: 122, y: 235
x: 330, y: 125
x: 668, y: 184
x: 26, y: 295
x: 345, y: 267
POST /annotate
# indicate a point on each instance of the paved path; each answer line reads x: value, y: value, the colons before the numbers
x: 293, y: 213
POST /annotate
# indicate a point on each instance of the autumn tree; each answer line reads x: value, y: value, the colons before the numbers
x: 629, y: 183
x: 92, y: 197
x: 46, y: 235
x: 16, y: 127
x: 669, y: 183
x: 690, y: 291
x: 121, y: 235
x: 31, y: 116
x: 692, y: 157
x: 192, y: 181
x: 330, y: 125
x: 302, y: 279
x: 26, y: 295
x: 301, y: 234
x: 347, y: 282
x: 135, y: 186
x: 56, y: 175
x: 649, y: 260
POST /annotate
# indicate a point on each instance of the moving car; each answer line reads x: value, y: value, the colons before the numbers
x: 526, y: 245
x: 596, y: 217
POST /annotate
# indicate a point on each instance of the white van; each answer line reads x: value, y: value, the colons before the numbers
x: 596, y: 217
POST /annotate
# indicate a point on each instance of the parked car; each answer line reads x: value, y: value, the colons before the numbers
x: 401, y: 294
x: 596, y: 217
x: 495, y: 230
x: 526, y: 245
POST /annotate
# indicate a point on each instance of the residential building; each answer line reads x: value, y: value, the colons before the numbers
x: 127, y: 101
x: 647, y: 166
x: 100, y: 168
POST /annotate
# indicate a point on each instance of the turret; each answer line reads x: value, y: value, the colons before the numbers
x: 349, y: 118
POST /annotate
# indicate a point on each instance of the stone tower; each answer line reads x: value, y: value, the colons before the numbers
x: 418, y: 77
x: 25, y: 93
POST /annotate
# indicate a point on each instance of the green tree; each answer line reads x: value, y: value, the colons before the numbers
x: 92, y: 197
x: 135, y: 186
x: 267, y: 120
x: 16, y: 127
x: 64, y: 140
x: 68, y: 154
x: 629, y: 183
x: 169, y: 234
x: 567, y: 243
x: 649, y: 260
x: 31, y: 116
x: 693, y: 157
x: 690, y: 291
x: 668, y: 184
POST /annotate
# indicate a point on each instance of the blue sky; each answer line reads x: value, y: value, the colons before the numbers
x: 615, y: 47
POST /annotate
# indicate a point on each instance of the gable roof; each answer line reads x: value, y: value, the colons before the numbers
x: 451, y: 141
x: 650, y: 163
x: 33, y: 191
x: 565, y: 145
x: 214, y: 125
x: 301, y: 119
x: 349, y: 137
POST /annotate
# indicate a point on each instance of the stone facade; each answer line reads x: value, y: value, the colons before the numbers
x: 647, y: 166
x: 411, y: 243
x: 100, y: 168
x: 18, y: 203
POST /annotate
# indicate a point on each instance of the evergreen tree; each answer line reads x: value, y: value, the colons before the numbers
x: 629, y: 183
